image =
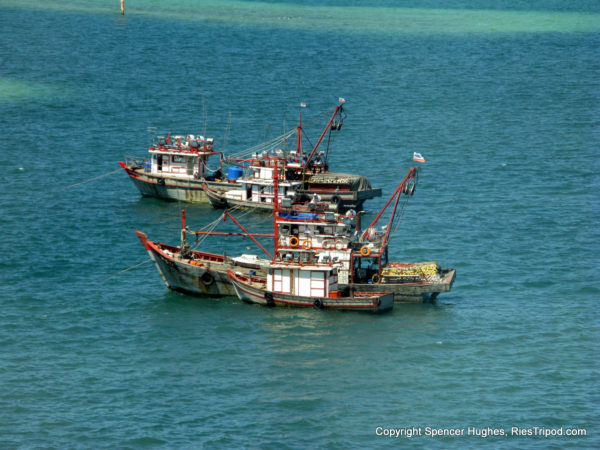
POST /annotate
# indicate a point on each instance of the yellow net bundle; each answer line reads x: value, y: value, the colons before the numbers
x: 429, y: 269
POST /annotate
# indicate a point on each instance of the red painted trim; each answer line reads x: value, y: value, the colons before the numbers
x: 143, y: 238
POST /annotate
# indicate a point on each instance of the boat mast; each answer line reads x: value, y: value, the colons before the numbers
x: 276, y: 206
x: 183, y: 243
x: 299, y: 151
x: 338, y: 110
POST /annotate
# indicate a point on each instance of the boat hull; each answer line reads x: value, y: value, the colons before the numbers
x: 188, y: 189
x: 416, y: 292
x: 175, y: 189
x: 205, y: 275
x: 252, y: 292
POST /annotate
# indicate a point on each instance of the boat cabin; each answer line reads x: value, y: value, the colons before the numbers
x: 323, y: 237
x: 259, y: 187
x: 182, y: 157
x: 319, y: 280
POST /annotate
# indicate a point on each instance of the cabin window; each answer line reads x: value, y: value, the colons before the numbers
x: 178, y: 159
x: 317, y: 284
x: 309, y: 285
x: 365, y: 268
x: 281, y: 280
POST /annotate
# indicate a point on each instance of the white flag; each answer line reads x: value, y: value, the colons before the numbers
x: 418, y: 157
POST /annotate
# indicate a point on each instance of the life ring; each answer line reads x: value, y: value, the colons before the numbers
x: 365, y: 250
x: 318, y: 304
x: 375, y: 279
x: 294, y: 241
x: 325, y: 245
x: 307, y: 245
x: 339, y: 245
x: 207, y: 279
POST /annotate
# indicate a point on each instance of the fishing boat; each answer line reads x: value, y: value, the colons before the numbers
x: 312, y: 233
x: 187, y: 168
x: 304, y: 232
x: 177, y: 169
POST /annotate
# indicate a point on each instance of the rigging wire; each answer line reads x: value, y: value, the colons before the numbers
x: 227, y: 130
x: 87, y: 181
x: 270, y: 144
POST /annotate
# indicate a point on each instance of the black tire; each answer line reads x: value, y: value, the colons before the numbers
x: 318, y: 304
x: 269, y: 299
x: 207, y: 279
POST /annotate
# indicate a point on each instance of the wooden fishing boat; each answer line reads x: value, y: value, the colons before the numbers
x: 199, y: 273
x: 179, y: 168
x: 305, y: 286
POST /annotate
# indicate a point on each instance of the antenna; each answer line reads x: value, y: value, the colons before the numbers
x: 227, y: 129
x: 285, y: 138
x: 151, y: 131
x: 205, y: 114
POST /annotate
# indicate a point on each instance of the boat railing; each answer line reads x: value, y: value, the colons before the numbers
x: 135, y: 161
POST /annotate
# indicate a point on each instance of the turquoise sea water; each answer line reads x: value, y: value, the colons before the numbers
x: 502, y: 98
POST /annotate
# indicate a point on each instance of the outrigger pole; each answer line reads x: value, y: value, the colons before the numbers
x: 224, y: 233
x: 226, y: 213
x: 275, y: 208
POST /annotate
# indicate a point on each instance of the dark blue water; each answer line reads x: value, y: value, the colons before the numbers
x: 503, y: 102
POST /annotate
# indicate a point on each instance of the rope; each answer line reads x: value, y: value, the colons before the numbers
x: 125, y: 270
x: 209, y: 227
x: 87, y: 181
x: 206, y: 167
x: 398, y: 218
